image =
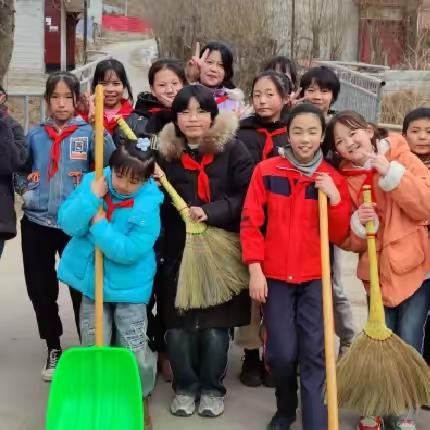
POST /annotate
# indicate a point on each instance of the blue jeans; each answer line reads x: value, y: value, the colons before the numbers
x: 199, y: 360
x: 1, y: 247
x: 131, y: 324
x: 408, y: 319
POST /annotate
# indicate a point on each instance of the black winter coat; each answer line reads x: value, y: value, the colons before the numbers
x: 13, y: 155
x: 149, y: 117
x: 229, y: 176
x: 255, y: 141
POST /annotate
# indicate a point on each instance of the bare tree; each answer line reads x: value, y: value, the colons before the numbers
x: 417, y: 55
x: 336, y: 23
x: 321, y: 29
x: 7, y: 27
x: 244, y: 24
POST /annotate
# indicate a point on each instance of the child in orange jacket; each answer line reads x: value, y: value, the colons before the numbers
x: 401, y: 210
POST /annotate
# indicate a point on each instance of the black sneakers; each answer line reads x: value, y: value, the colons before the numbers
x: 51, y: 363
x: 250, y: 374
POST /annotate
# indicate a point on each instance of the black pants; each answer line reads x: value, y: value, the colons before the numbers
x: 426, y: 352
x: 199, y: 360
x: 39, y: 247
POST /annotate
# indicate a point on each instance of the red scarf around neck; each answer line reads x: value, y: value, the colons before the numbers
x: 368, y: 178
x: 203, y: 186
x: 129, y: 203
x: 125, y: 110
x: 158, y: 109
x: 268, y: 144
x: 56, y: 145
x: 221, y: 99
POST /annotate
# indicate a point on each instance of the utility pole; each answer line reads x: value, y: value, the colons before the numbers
x: 85, y: 31
x: 293, y: 26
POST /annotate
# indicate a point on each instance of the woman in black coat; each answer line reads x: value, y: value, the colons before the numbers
x: 210, y: 170
x: 13, y: 155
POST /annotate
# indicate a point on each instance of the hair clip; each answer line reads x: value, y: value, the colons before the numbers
x: 143, y: 143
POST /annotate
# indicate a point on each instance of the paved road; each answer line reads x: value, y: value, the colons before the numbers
x: 23, y: 394
x: 136, y: 55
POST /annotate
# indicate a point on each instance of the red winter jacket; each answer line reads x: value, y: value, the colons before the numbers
x: 284, y: 203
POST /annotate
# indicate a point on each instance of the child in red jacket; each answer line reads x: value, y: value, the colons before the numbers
x: 285, y: 263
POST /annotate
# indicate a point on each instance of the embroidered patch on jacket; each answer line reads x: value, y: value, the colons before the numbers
x: 79, y: 148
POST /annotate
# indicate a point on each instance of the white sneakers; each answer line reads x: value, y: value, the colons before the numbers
x: 184, y: 406
x: 211, y: 406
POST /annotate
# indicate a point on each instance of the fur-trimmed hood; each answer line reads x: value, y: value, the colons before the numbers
x: 223, y: 129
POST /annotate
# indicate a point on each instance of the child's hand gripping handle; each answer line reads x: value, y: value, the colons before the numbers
x: 99, y: 99
x: 375, y: 327
x: 330, y: 361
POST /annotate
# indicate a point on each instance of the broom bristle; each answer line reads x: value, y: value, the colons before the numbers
x: 380, y: 378
x: 211, y: 270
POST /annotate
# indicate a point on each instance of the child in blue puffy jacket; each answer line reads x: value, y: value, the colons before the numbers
x: 125, y: 231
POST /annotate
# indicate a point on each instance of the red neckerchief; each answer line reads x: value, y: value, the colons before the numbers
x: 158, y: 109
x: 221, y: 99
x: 56, y: 145
x: 368, y: 178
x: 268, y: 144
x: 203, y: 188
x: 129, y: 203
x: 125, y: 110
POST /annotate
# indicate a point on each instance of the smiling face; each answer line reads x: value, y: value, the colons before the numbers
x: 418, y: 136
x: 194, y: 122
x: 212, y: 72
x: 319, y: 97
x: 305, y: 134
x: 166, y: 86
x: 266, y: 100
x: 113, y: 90
x: 353, y: 144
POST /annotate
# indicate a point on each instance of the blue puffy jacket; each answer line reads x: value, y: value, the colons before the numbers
x: 43, y: 199
x: 127, y: 242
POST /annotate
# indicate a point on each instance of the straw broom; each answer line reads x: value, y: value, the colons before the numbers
x: 381, y: 374
x: 211, y: 270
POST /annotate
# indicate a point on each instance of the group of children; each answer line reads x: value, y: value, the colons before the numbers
x: 257, y: 176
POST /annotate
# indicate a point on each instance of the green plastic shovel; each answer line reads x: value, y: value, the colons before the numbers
x: 96, y: 388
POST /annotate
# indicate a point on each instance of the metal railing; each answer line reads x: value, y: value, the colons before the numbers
x: 84, y: 74
x: 359, y: 91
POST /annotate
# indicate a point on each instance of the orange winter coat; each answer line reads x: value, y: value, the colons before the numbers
x: 403, y: 208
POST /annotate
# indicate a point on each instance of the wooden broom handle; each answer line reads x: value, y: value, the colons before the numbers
x: 99, y: 129
x: 375, y: 327
x: 330, y: 359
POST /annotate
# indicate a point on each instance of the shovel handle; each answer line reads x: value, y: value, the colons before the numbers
x: 330, y: 360
x: 99, y: 256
